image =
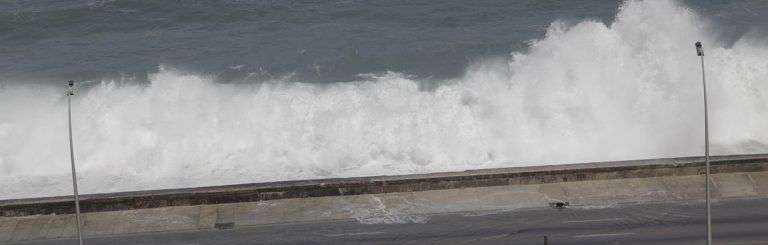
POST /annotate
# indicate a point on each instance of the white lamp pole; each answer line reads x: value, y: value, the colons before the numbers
x: 70, y: 93
x: 700, y: 53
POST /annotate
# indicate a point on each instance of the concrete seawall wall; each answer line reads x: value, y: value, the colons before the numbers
x: 682, y: 183
x: 384, y: 184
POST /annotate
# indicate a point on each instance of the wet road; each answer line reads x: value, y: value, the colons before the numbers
x: 736, y: 221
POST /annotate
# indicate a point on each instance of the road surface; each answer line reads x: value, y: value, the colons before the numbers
x: 736, y: 221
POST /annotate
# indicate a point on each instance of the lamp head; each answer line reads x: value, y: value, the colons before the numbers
x: 699, y: 49
x: 71, y: 83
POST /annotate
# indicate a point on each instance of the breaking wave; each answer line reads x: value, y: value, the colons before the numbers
x: 584, y: 92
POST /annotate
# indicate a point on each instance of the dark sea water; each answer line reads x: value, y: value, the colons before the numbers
x: 316, y: 41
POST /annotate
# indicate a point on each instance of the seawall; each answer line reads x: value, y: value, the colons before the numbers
x: 665, y: 167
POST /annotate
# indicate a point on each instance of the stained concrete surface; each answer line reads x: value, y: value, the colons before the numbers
x: 736, y: 221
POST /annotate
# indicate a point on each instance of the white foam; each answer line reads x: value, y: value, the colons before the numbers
x: 587, y: 92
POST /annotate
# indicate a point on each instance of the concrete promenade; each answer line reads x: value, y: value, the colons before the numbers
x: 412, y: 199
x: 736, y: 222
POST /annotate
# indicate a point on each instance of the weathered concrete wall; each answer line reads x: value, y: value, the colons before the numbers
x: 403, y: 207
x: 385, y: 184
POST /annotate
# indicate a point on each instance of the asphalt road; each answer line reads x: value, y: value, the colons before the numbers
x: 737, y: 221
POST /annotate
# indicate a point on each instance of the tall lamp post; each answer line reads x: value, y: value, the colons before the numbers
x: 70, y: 93
x: 700, y: 53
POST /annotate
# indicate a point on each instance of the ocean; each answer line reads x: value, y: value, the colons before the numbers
x: 196, y: 93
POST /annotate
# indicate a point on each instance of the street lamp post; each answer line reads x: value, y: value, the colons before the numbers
x: 70, y: 93
x: 700, y: 53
